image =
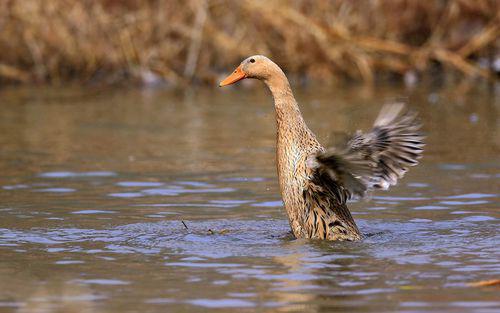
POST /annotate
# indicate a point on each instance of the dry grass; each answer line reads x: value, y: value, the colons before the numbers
x: 180, y: 41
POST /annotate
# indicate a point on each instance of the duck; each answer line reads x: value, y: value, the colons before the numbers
x: 317, y: 182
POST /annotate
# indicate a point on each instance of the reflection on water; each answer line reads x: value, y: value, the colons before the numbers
x: 150, y: 200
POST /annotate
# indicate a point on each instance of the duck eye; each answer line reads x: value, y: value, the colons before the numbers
x: 252, y: 60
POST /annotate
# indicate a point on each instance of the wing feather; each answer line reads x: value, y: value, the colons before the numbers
x: 377, y: 159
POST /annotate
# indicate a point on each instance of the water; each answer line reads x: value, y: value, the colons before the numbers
x: 128, y: 200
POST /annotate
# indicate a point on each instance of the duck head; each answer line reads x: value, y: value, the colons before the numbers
x: 256, y: 66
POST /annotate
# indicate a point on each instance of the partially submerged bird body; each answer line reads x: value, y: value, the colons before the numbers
x: 315, y: 183
x: 310, y: 202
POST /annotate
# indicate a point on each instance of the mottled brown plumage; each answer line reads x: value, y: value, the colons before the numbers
x: 316, y: 183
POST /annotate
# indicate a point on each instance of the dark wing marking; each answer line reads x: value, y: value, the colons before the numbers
x: 326, y: 215
x: 375, y: 160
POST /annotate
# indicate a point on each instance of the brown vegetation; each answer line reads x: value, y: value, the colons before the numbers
x: 179, y: 40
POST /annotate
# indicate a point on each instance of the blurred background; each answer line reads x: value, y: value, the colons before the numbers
x: 179, y: 42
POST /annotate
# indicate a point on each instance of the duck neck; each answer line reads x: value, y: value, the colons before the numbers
x: 287, y: 110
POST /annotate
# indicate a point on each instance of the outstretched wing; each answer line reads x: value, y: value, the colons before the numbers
x: 375, y: 160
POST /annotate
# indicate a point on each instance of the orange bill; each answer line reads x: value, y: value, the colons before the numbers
x: 235, y: 76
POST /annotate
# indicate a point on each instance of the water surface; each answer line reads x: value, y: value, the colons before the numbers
x: 152, y: 200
